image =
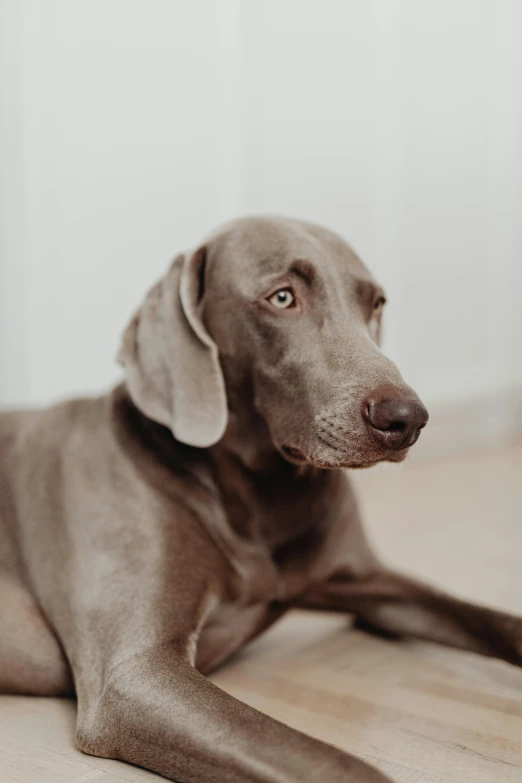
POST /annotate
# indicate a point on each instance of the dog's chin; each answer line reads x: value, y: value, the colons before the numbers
x: 332, y: 459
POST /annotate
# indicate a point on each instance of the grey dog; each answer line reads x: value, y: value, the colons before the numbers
x: 146, y: 535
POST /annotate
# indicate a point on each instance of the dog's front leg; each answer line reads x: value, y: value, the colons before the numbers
x: 159, y: 712
x: 393, y: 603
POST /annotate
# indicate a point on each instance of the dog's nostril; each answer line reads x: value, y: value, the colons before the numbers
x: 396, y: 426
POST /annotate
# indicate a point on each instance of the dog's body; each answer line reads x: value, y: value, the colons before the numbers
x: 246, y: 569
x: 147, y: 535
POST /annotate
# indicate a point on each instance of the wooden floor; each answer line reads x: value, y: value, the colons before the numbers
x: 421, y: 713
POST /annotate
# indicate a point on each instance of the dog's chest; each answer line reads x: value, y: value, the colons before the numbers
x: 277, y: 545
x: 252, y: 601
x: 258, y: 597
x: 229, y: 628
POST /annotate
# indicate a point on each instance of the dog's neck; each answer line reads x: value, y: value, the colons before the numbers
x: 257, y: 483
x: 246, y: 468
x: 248, y: 439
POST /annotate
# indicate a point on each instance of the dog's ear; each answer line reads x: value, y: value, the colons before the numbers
x: 171, y: 363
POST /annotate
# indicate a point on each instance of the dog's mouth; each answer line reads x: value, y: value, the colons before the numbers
x: 298, y: 457
x: 295, y: 455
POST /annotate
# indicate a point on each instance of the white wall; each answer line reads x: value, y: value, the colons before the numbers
x: 131, y: 127
x: 114, y: 162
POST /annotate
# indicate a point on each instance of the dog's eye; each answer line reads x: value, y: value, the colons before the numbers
x: 379, y: 304
x: 282, y: 299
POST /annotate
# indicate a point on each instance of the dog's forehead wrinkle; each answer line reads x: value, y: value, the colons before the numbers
x: 260, y: 237
x: 266, y: 230
x: 366, y: 287
x: 270, y: 239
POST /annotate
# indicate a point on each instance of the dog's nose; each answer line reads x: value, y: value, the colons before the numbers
x: 395, y: 418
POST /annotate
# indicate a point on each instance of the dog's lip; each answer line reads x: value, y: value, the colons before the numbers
x: 346, y: 464
x: 297, y: 457
x: 293, y: 453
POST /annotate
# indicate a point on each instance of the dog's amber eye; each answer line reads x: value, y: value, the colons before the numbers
x: 282, y: 299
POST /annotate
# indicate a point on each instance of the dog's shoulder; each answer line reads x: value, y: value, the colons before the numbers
x: 13, y: 425
x: 56, y: 423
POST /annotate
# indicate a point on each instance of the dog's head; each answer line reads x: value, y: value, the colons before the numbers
x: 271, y: 329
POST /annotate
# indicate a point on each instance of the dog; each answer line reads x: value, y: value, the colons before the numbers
x: 148, y: 534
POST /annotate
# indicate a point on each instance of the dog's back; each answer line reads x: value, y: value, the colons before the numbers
x: 12, y: 425
x: 31, y: 659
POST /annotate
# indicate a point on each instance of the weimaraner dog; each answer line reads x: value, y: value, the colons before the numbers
x: 146, y: 535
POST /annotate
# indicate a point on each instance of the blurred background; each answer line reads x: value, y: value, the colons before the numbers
x: 130, y: 128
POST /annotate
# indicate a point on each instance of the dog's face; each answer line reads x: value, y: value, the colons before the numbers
x: 291, y: 307
x: 282, y: 319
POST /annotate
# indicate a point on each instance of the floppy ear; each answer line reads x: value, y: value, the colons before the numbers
x: 171, y: 363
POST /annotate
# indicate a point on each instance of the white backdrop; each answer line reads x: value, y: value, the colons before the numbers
x: 129, y: 128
